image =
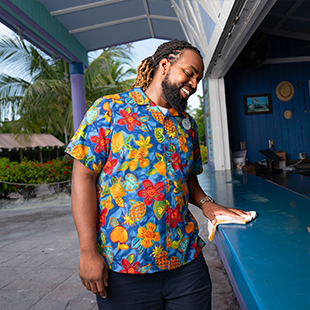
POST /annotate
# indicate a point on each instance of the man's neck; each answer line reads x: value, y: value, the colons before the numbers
x: 155, y: 96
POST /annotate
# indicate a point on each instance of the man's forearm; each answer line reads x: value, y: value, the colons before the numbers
x: 195, y: 191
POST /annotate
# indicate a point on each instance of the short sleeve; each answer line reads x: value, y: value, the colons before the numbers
x: 91, y: 143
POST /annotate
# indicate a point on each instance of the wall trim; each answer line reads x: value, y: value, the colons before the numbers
x: 222, y: 159
x: 285, y: 60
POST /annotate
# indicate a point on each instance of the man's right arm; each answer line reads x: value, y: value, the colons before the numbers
x: 93, y: 268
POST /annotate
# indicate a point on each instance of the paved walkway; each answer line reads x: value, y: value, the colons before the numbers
x: 39, y: 259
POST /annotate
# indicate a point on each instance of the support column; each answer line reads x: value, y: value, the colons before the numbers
x: 217, y: 125
x: 41, y: 155
x: 77, y: 92
x: 21, y: 155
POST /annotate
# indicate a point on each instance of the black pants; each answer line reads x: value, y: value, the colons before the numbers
x: 187, y: 287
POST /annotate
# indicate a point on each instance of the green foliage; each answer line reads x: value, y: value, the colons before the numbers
x: 6, y: 127
x: 198, y: 114
x: 32, y: 172
x: 41, y: 98
x: 203, y: 152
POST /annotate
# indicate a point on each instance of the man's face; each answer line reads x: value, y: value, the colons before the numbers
x: 181, y: 80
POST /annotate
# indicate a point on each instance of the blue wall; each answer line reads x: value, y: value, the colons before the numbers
x: 289, y: 135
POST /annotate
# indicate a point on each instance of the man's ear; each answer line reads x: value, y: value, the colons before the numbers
x: 163, y: 66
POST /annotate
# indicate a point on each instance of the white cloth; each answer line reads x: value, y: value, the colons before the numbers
x: 224, y: 219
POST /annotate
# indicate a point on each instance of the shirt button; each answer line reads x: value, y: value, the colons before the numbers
x: 170, y: 182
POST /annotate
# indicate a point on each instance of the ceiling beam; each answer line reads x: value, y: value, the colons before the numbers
x: 112, y: 23
x: 286, y: 60
x: 304, y: 19
x: 286, y: 33
x: 83, y: 7
x: 289, y: 13
x: 147, y: 11
x: 124, y: 20
x: 173, y: 19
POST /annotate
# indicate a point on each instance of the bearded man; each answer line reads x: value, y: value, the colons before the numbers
x: 137, y: 158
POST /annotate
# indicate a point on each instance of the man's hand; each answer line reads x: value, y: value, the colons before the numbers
x: 94, y: 273
x: 209, y: 209
x: 212, y: 209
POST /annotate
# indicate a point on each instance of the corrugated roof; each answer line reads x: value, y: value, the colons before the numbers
x: 12, y: 141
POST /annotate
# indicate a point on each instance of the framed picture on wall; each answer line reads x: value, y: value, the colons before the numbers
x: 257, y: 104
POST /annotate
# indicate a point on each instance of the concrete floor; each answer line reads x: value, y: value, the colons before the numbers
x: 39, y: 257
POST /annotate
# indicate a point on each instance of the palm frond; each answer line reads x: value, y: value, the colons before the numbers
x: 12, y: 86
x: 43, y: 99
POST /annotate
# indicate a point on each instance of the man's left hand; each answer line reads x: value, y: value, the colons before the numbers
x: 212, y: 209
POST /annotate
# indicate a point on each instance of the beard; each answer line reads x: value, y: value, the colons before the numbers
x: 171, y: 93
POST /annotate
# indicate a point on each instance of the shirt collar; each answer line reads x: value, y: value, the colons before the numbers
x: 148, y: 101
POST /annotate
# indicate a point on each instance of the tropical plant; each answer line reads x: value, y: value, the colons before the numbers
x: 198, y: 115
x: 203, y: 153
x: 106, y: 74
x: 6, y: 127
x: 43, y: 90
x: 15, y: 177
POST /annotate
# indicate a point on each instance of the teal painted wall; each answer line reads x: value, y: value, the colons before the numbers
x: 38, y: 13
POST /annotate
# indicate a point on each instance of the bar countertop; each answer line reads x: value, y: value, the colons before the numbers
x: 268, y: 260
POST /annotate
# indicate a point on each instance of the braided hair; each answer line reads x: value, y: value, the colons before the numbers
x: 171, y: 50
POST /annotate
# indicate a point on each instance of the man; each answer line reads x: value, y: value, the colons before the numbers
x: 137, y: 157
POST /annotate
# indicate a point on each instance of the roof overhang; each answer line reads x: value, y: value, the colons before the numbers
x: 11, y: 141
x: 70, y: 29
x: 245, y: 18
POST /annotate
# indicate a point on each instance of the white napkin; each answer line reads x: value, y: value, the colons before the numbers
x: 224, y: 219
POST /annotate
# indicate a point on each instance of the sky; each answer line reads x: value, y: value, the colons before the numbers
x: 140, y: 50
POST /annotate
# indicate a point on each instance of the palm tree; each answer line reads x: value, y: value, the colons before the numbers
x: 106, y: 74
x: 9, y: 108
x: 43, y: 91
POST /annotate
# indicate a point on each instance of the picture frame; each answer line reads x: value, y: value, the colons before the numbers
x: 257, y: 104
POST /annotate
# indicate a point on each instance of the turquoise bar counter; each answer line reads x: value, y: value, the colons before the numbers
x: 267, y: 260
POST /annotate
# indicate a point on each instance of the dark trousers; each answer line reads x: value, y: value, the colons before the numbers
x: 187, y: 287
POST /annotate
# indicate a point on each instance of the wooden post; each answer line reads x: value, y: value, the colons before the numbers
x: 41, y: 157
x: 21, y: 155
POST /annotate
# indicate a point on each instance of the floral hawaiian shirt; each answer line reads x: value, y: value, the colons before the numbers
x: 143, y: 158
